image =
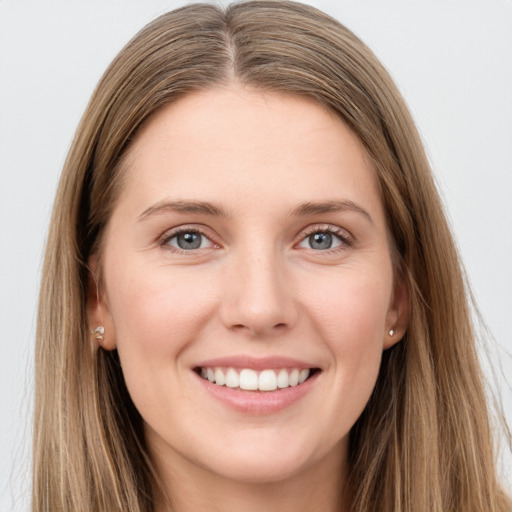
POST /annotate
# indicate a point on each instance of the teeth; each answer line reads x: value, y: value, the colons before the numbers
x: 282, y: 379
x: 267, y: 381
x: 303, y: 375
x: 219, y: 377
x: 250, y: 380
x: 293, y: 379
x: 232, y: 379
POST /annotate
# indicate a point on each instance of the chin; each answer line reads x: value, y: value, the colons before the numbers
x: 265, y: 457
x: 260, y: 469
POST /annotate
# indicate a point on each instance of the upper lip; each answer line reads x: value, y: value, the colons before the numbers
x: 255, y: 363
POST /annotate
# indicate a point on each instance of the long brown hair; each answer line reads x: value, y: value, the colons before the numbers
x: 424, y: 441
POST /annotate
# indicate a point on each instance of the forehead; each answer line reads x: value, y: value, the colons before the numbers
x: 240, y: 143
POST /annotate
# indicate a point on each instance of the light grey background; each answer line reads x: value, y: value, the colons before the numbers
x: 451, y: 59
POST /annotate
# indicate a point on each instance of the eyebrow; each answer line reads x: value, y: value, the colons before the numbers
x: 165, y: 206
x: 207, y: 208
x: 311, y: 208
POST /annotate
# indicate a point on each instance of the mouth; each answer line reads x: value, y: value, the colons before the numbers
x: 257, y: 386
x: 249, y: 379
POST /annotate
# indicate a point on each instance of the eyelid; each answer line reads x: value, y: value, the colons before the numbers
x: 346, y: 238
x: 164, y: 239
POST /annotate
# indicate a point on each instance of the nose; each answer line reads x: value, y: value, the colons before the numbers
x: 258, y: 298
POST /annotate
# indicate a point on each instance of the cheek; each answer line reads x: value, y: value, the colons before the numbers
x: 157, y: 312
x: 349, y: 315
x: 352, y: 307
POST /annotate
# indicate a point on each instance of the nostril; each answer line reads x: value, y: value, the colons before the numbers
x: 260, y: 329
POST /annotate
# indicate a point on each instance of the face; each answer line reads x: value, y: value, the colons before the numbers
x: 248, y: 284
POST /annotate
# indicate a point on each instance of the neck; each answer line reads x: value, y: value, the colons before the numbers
x: 195, y: 489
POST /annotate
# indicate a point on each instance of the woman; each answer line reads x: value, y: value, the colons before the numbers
x: 251, y: 298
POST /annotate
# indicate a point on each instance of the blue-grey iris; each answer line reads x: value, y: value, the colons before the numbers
x: 320, y: 241
x: 189, y: 241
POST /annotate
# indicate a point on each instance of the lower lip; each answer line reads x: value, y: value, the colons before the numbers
x: 258, y: 402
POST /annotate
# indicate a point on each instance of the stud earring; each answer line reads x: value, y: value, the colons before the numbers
x: 391, y: 332
x: 99, y: 332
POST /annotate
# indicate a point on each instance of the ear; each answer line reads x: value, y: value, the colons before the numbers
x: 397, y: 318
x: 98, y: 312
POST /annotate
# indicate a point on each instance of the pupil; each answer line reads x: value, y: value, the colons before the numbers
x: 189, y: 240
x: 320, y: 241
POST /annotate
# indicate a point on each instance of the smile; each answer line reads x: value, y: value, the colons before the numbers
x: 257, y: 386
x: 253, y: 380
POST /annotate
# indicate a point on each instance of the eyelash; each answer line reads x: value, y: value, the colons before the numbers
x: 341, y: 234
x: 164, y: 242
x: 344, y: 238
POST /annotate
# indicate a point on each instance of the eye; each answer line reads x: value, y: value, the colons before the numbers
x: 188, y: 240
x: 323, y: 240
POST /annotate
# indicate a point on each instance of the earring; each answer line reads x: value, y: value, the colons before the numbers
x: 99, y: 332
x: 391, y: 332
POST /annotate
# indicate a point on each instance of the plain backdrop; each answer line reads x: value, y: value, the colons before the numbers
x: 452, y: 59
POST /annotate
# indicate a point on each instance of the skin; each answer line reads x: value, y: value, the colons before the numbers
x: 255, y: 287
